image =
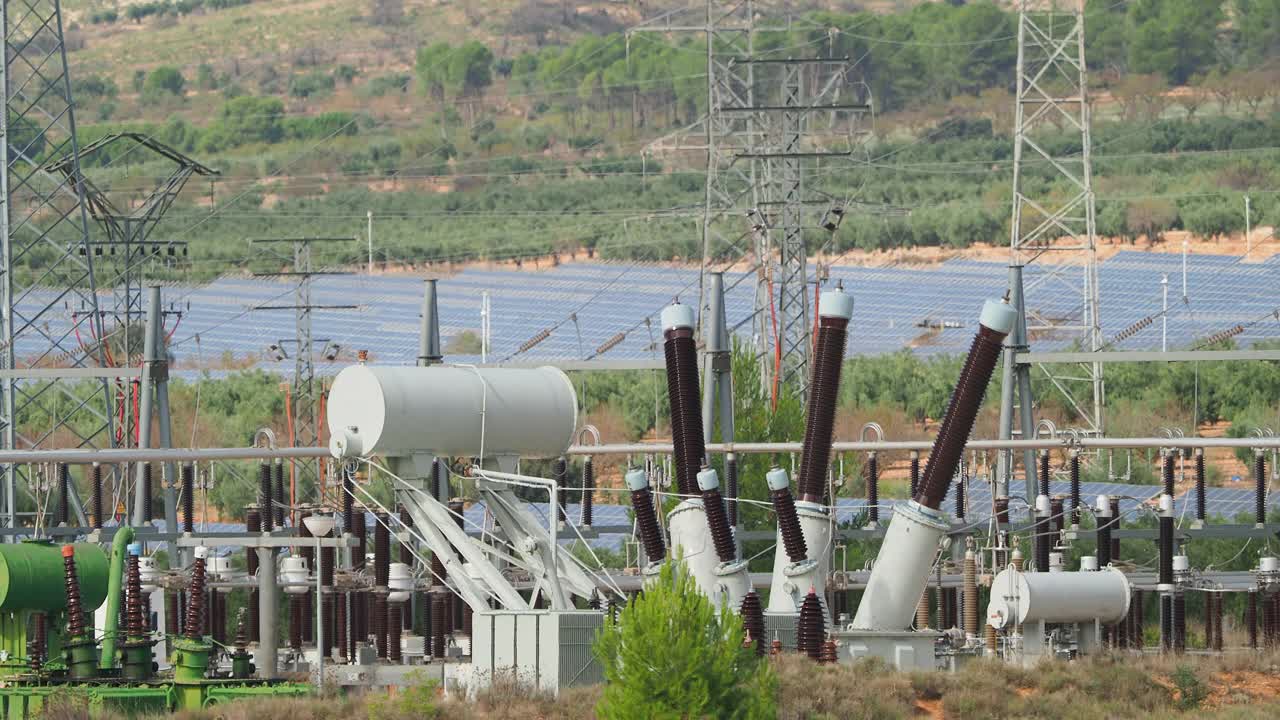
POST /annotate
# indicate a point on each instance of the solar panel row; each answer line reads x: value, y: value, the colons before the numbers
x: 589, y: 303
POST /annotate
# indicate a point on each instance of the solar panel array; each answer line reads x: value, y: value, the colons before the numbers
x: 586, y: 304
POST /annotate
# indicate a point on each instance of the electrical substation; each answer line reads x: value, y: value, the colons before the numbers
x: 344, y: 590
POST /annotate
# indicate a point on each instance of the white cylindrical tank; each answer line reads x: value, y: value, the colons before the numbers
x: 1060, y: 597
x: 791, y: 581
x: 902, y: 569
x: 724, y: 584
x: 447, y: 410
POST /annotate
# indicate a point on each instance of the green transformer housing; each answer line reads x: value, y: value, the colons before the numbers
x: 31, y: 577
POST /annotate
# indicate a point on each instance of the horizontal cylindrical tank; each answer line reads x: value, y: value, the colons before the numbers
x: 448, y: 410
x: 1060, y: 597
x: 31, y: 576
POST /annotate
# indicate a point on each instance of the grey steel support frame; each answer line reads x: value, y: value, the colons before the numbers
x: 1052, y: 87
x: 717, y: 371
x: 268, y: 607
x: 153, y: 401
x: 1016, y: 380
x: 46, y: 269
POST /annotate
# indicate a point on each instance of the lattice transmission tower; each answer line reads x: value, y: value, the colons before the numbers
x: 1052, y: 225
x: 304, y: 392
x: 771, y: 121
x: 53, y: 383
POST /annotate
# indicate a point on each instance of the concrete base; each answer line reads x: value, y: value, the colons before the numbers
x: 446, y: 674
x: 903, y: 650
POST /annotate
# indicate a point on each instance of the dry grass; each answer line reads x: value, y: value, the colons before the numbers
x: 1241, y: 686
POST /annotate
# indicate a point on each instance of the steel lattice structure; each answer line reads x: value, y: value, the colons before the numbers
x: 304, y: 391
x: 50, y: 316
x: 1052, y: 88
x: 123, y: 254
x: 769, y: 122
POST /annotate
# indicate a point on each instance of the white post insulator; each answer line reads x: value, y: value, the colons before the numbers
x: 400, y: 582
x: 1055, y: 562
x: 1043, y: 507
x: 293, y: 571
x: 1102, y: 506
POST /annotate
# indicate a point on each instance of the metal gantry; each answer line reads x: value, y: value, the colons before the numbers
x: 49, y: 308
x: 123, y: 254
x: 1052, y: 89
x: 305, y: 399
x: 769, y: 122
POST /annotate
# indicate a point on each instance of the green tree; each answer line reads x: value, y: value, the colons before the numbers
x: 1257, y: 26
x: 1175, y: 37
x: 245, y: 120
x: 165, y: 80
x: 469, y: 70
x: 432, y: 68
x: 671, y: 654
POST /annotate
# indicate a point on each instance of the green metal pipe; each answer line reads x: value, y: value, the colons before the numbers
x: 115, y: 591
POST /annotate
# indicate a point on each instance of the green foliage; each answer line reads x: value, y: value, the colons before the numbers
x: 460, y: 71
x: 164, y: 80
x: 205, y: 78
x: 311, y: 84
x: 671, y: 654
x: 95, y: 86
x: 415, y: 699
x: 1248, y: 419
x: 1191, y: 690
x: 386, y: 84
x: 245, y: 120
x: 1173, y: 37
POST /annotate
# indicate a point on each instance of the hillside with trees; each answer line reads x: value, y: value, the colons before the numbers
x: 506, y: 135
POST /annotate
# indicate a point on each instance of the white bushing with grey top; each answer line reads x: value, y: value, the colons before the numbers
x: 998, y: 315
x: 676, y: 315
x: 835, y: 304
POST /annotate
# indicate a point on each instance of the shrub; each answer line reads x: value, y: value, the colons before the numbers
x: 672, y: 654
x: 309, y: 84
x: 1191, y: 691
x: 165, y: 80
x: 385, y: 84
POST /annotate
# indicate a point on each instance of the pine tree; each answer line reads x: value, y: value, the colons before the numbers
x: 672, y: 654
